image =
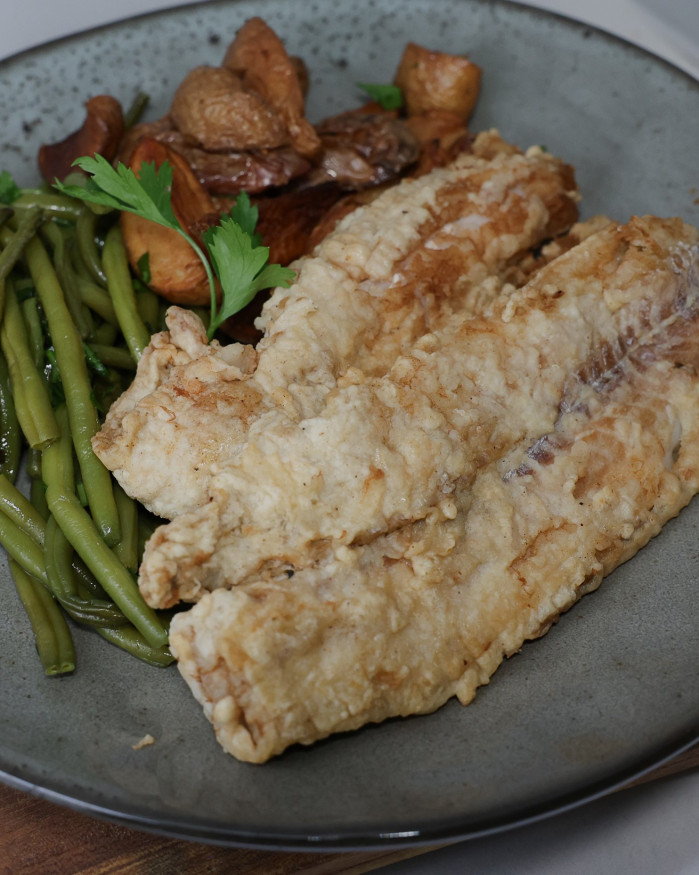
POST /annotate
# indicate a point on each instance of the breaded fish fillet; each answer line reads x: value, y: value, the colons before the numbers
x: 391, y: 271
x: 387, y: 451
x: 429, y: 611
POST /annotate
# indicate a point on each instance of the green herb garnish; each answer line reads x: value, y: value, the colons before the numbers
x: 387, y: 96
x: 239, y: 262
x: 9, y: 190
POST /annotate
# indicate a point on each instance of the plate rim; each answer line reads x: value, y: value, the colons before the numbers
x: 353, y: 838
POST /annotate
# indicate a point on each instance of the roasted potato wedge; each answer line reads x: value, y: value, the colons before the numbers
x: 176, y: 272
x: 436, y: 80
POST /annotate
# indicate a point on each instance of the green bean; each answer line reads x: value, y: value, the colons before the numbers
x: 78, y: 392
x: 68, y: 281
x: 121, y: 291
x: 136, y: 110
x: 118, y: 583
x: 52, y: 636
x: 113, y: 356
x: 58, y: 553
x: 57, y: 468
x: 148, y: 305
x: 98, y: 615
x: 32, y: 402
x: 65, y: 585
x: 85, y: 230
x: 35, y: 334
x: 51, y: 202
x: 79, y: 266
x: 94, y: 362
x: 16, y: 245
x: 97, y: 299
x: 22, y: 548
x: 105, y: 334
x: 33, y: 462
x: 134, y: 643
x: 127, y: 549
x: 10, y: 435
x: 87, y: 584
x: 37, y: 495
x: 20, y: 510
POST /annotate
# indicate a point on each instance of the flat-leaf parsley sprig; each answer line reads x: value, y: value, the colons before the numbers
x: 235, y: 255
x: 387, y: 96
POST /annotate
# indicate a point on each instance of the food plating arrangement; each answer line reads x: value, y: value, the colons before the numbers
x: 335, y: 416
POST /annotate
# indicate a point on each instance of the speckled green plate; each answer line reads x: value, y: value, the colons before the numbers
x: 611, y: 690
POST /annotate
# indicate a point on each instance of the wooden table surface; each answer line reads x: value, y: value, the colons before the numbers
x: 40, y: 837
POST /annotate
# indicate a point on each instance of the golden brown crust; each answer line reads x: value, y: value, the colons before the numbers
x: 428, y: 611
x: 352, y: 305
x: 385, y: 451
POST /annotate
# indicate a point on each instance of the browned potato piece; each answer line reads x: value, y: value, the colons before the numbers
x: 213, y: 109
x: 435, y: 80
x: 176, y: 272
x: 442, y: 136
x: 100, y: 133
x: 259, y: 57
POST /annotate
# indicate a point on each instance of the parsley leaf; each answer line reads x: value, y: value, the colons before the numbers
x: 238, y: 259
x: 245, y: 215
x: 9, y: 190
x: 146, y: 195
x: 241, y: 266
x: 387, y: 96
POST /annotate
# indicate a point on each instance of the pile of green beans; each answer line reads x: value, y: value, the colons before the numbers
x: 72, y: 329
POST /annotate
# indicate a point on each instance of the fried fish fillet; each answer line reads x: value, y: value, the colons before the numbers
x: 388, y: 451
x: 391, y: 271
x: 429, y: 611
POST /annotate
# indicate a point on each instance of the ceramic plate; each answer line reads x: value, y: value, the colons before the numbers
x: 611, y: 690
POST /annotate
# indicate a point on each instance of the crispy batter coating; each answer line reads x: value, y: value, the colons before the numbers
x: 390, y: 272
x: 428, y: 611
x: 390, y: 450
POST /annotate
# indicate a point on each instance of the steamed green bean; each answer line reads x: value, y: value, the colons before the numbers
x: 130, y: 640
x: 17, y: 507
x: 52, y: 636
x: 118, y: 583
x: 20, y: 546
x: 10, y: 435
x: 67, y: 341
x: 85, y: 235
x: 66, y: 587
x: 17, y: 243
x: 122, y: 293
x: 32, y: 402
x: 78, y: 392
x: 49, y: 203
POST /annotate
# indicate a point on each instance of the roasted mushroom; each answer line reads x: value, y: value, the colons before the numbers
x: 361, y: 150
x: 100, y: 133
x: 258, y: 56
x: 213, y: 110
